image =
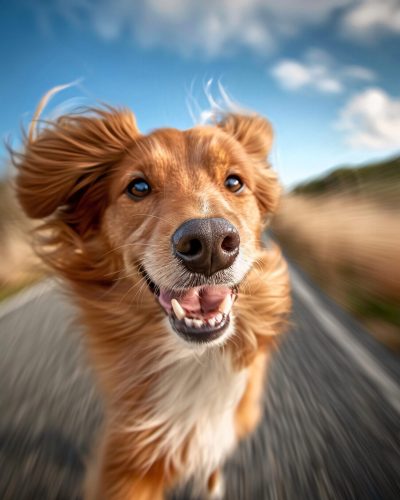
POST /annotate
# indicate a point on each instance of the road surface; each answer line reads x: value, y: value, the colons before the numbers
x: 332, y: 407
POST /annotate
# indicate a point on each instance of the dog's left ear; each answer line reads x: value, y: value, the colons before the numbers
x: 255, y: 135
x: 63, y: 177
x: 63, y: 171
x: 253, y: 132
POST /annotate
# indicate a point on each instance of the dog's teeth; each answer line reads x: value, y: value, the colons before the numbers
x: 211, y: 322
x: 197, y: 323
x: 226, y: 305
x: 188, y: 322
x: 218, y: 318
x: 178, y: 309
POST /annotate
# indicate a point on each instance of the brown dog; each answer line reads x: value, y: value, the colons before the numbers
x: 159, y: 238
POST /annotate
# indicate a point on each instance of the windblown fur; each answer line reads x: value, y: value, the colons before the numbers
x: 174, y: 411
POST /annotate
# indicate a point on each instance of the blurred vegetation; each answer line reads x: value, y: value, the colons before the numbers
x: 19, y: 266
x: 344, y: 230
x: 379, y: 181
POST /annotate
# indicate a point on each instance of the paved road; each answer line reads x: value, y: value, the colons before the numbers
x: 331, y: 428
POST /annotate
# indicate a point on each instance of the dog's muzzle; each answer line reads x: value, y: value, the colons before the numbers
x: 201, y: 312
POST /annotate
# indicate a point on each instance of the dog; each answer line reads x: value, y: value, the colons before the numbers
x: 159, y: 239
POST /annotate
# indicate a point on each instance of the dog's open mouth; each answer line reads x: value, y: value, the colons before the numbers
x: 199, y: 314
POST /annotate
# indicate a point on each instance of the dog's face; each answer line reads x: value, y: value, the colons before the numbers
x: 183, y: 209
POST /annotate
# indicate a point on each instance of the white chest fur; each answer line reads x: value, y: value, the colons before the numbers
x: 193, y: 408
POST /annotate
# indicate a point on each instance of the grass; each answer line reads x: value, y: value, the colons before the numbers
x: 19, y: 267
x: 378, y: 181
x: 8, y: 290
x: 348, y: 240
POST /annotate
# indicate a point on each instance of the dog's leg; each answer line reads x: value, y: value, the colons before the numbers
x: 216, y: 486
x: 126, y: 486
x: 111, y: 477
x: 249, y: 410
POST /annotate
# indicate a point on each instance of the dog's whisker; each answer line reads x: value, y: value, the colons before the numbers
x: 171, y: 223
x: 132, y: 245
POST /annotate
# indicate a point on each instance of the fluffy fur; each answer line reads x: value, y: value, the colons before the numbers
x: 174, y: 410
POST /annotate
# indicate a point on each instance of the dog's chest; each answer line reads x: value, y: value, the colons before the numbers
x: 200, y: 397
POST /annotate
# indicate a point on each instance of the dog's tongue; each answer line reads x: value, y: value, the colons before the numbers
x: 195, y: 300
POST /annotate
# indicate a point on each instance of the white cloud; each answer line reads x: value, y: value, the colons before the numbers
x: 369, y: 18
x: 291, y: 74
x: 359, y: 73
x: 371, y: 120
x: 319, y: 71
x: 219, y: 27
x: 208, y: 27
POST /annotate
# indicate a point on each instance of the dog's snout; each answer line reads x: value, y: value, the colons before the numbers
x: 206, y: 245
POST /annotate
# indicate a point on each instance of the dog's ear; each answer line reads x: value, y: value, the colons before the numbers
x: 253, y: 132
x: 69, y: 157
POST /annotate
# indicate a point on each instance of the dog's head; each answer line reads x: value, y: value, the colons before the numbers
x: 182, y: 211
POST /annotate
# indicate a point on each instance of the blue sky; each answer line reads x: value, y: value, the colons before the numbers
x: 325, y: 72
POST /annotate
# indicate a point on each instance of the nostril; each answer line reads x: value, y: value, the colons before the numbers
x: 190, y: 247
x: 230, y: 243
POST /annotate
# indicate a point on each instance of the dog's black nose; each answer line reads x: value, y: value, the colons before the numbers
x: 206, y: 245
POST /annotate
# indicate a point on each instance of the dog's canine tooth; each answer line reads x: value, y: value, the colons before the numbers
x: 189, y: 322
x: 218, y: 318
x: 197, y: 323
x: 211, y: 322
x: 178, y: 309
x: 226, y: 305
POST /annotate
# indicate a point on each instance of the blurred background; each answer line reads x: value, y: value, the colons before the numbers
x: 326, y: 73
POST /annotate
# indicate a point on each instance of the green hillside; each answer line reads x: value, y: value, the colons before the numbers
x: 380, y: 180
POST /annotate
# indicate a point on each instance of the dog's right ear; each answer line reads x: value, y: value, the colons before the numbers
x: 68, y: 156
x: 252, y: 131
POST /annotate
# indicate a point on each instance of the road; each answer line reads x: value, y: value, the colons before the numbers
x: 331, y: 428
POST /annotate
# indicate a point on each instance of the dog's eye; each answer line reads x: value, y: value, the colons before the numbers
x: 234, y: 183
x: 138, y: 189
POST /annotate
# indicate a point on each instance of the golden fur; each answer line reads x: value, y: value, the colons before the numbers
x: 73, y: 175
